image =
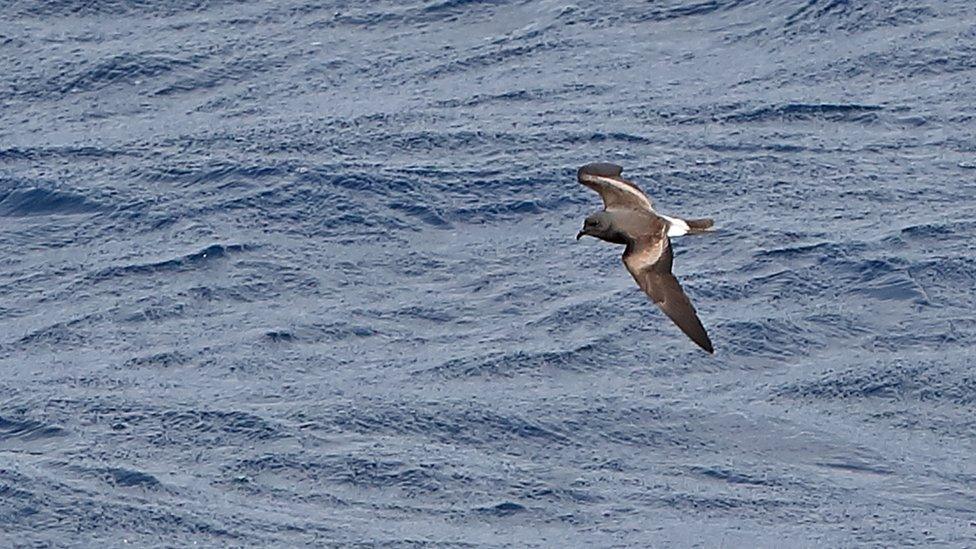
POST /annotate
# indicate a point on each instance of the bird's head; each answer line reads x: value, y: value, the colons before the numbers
x: 597, y: 225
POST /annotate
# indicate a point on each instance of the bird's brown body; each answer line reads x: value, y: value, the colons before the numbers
x: 629, y: 219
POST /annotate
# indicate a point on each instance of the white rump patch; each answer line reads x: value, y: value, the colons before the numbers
x: 676, y: 227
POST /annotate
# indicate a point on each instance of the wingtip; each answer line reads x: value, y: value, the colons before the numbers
x: 706, y: 345
x: 600, y: 169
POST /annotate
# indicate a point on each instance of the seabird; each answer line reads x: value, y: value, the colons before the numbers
x: 628, y: 218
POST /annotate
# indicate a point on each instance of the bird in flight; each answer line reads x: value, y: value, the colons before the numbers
x: 628, y: 218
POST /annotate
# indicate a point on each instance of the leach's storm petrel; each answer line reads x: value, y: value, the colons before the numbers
x: 628, y: 217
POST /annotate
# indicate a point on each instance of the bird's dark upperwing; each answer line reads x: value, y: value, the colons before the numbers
x: 615, y: 191
x: 649, y: 261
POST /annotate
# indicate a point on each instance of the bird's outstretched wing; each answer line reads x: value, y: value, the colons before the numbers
x: 616, y: 192
x: 649, y: 262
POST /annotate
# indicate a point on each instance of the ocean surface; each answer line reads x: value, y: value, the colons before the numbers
x: 304, y: 274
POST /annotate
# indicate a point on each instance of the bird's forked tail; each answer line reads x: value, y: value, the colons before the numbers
x: 696, y: 226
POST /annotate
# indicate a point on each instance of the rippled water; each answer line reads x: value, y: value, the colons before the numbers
x: 279, y: 273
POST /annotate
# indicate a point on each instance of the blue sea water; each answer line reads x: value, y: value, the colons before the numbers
x: 304, y: 274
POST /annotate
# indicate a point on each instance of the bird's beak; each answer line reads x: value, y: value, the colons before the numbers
x: 580, y: 234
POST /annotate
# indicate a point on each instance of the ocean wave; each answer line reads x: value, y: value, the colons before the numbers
x: 39, y: 202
